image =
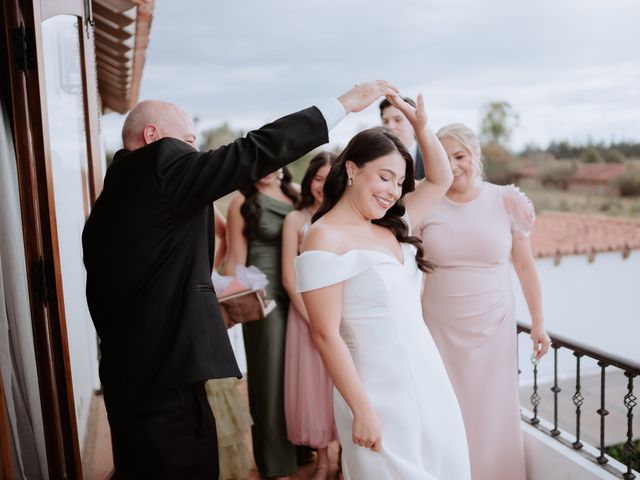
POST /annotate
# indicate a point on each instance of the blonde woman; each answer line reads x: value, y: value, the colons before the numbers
x: 473, y: 235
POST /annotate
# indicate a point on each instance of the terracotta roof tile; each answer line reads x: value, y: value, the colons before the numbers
x: 598, y: 172
x: 529, y: 171
x: 558, y: 233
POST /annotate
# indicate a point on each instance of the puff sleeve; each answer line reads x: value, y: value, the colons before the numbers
x: 520, y: 210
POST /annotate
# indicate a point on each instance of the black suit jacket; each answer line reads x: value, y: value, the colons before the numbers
x: 419, y: 166
x: 147, y: 253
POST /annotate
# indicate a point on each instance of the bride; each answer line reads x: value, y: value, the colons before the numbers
x: 360, y: 275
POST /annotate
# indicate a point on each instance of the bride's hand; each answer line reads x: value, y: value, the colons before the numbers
x: 417, y: 116
x: 367, y: 431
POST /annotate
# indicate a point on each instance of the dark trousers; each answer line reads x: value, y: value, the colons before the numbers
x: 171, y: 435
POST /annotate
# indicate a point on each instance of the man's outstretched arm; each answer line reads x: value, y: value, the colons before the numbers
x: 192, y: 179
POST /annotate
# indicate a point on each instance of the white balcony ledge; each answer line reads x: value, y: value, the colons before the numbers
x: 549, y: 459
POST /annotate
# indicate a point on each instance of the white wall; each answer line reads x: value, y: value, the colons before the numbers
x: 596, y: 303
x: 69, y: 167
x: 548, y: 459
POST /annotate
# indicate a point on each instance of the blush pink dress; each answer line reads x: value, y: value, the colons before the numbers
x: 308, y: 390
x: 468, y: 305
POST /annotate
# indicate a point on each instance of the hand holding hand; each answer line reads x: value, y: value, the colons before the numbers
x: 541, y: 341
x: 417, y: 116
x: 367, y: 431
x: 363, y: 95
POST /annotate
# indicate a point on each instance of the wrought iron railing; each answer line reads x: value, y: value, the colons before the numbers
x: 631, y: 371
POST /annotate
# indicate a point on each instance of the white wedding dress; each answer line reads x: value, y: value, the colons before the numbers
x: 423, y: 435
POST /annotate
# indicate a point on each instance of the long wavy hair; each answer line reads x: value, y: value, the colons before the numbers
x: 365, y: 147
x: 251, y: 210
x: 316, y: 163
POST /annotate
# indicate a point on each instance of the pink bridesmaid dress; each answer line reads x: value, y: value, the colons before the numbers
x: 308, y: 390
x: 468, y: 305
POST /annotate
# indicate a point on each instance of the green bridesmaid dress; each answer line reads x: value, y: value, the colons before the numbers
x: 264, y: 342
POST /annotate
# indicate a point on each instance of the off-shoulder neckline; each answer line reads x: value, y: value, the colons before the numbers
x: 368, y: 250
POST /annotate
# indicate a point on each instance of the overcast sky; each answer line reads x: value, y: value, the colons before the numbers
x: 569, y: 68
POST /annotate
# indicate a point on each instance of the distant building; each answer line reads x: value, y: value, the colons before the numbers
x: 598, y: 178
x: 589, y: 267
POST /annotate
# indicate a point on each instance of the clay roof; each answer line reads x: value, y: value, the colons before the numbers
x: 598, y: 172
x: 529, y: 171
x: 121, y: 38
x: 559, y: 233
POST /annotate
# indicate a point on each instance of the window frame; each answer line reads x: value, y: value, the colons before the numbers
x: 27, y: 110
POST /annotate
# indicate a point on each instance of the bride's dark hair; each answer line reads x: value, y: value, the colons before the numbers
x: 365, y: 147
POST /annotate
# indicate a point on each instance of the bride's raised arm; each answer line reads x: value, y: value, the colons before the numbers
x: 436, y: 163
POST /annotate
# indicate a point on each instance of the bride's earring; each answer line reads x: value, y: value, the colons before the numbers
x: 349, y: 181
x: 280, y: 175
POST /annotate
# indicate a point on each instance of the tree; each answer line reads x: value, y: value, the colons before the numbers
x: 563, y: 149
x: 499, y: 120
x: 613, y: 155
x: 592, y: 155
x: 629, y: 182
x: 557, y: 173
x: 500, y: 166
x: 218, y: 136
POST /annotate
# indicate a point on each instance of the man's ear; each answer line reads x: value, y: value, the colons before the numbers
x: 150, y: 134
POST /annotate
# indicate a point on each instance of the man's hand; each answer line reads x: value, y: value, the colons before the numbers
x: 363, y: 95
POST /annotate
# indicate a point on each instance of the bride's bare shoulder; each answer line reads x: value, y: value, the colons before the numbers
x: 326, y: 236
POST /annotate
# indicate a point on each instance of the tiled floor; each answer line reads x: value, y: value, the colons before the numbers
x: 98, y: 461
x: 308, y: 472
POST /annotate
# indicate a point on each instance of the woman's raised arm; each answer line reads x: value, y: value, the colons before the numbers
x: 438, y: 175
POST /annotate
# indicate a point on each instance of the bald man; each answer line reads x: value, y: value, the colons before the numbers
x: 148, y: 255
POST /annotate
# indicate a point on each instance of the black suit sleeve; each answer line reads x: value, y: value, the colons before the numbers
x: 191, y: 180
x: 419, y: 166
